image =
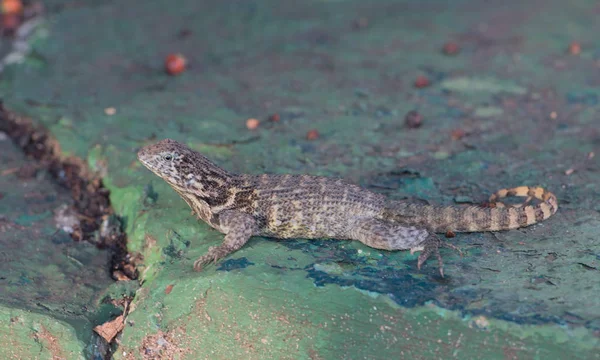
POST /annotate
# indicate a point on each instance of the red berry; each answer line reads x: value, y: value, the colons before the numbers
x: 312, y: 135
x: 13, y: 7
x: 574, y: 48
x: 175, y: 64
x: 421, y: 81
x: 451, y: 48
x: 458, y: 134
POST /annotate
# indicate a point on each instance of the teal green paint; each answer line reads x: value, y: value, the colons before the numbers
x: 271, y: 58
x: 35, y: 336
x: 28, y: 219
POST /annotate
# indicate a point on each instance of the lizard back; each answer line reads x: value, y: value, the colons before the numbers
x: 307, y: 206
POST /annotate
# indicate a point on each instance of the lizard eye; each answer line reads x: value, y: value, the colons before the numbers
x: 168, y: 157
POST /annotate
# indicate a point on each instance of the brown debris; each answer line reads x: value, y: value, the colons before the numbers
x: 569, y: 171
x: 413, y: 119
x: 168, y: 289
x: 110, y: 329
x: 120, y: 276
x: 275, y: 117
x: 90, y: 197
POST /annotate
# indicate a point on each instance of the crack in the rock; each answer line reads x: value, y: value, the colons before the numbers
x: 99, y: 224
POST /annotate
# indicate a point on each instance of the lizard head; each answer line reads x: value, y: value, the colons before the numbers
x: 167, y: 159
x: 181, y: 167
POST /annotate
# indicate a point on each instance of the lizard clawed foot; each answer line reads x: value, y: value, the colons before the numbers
x: 431, y: 246
x: 212, y: 256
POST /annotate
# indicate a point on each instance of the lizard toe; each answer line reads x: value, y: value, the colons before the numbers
x: 431, y: 246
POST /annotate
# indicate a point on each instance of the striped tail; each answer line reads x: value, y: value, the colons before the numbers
x: 497, y: 216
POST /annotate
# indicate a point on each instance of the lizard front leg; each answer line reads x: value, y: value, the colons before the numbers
x: 238, y: 228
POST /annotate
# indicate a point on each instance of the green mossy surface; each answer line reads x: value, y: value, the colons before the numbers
x: 530, y: 112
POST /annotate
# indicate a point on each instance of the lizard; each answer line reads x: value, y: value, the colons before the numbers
x: 288, y: 206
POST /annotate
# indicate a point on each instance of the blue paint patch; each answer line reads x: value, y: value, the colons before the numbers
x: 61, y: 237
x: 587, y: 98
x: 409, y: 287
x: 400, y: 285
x: 233, y: 264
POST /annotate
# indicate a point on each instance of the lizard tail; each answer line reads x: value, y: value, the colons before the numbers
x: 497, y: 216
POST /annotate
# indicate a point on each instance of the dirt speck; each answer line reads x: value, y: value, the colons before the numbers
x: 50, y: 342
x: 163, y: 345
x: 168, y: 289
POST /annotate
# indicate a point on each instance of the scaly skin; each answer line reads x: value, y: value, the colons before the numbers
x: 311, y: 207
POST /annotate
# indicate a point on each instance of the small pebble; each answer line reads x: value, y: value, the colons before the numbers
x: 312, y: 135
x: 591, y: 155
x: 569, y: 171
x: 175, y: 64
x: 252, y: 123
x: 553, y: 115
x: 421, y: 82
x: 413, y: 119
x: 574, y: 48
x: 451, y: 48
x: 110, y: 111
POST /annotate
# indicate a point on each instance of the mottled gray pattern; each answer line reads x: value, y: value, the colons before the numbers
x: 304, y: 206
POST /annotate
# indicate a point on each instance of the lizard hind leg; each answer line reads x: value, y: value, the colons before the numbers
x: 384, y: 235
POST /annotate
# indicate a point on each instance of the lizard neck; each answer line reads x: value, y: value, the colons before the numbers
x: 200, y: 180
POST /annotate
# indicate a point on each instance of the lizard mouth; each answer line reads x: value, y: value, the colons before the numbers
x: 143, y: 157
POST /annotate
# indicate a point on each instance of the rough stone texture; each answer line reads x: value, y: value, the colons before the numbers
x: 44, y: 275
x: 512, y: 107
